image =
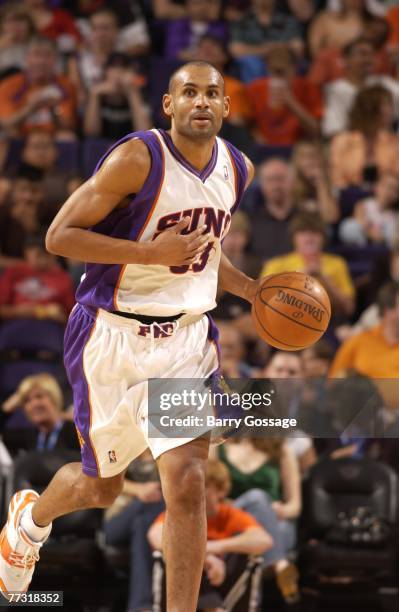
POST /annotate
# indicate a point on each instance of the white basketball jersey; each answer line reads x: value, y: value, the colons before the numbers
x: 173, y: 190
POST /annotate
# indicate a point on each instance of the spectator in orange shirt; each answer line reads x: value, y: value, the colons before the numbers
x: 284, y: 106
x: 230, y: 530
x: 38, y: 97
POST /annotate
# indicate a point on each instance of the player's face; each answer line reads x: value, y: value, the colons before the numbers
x: 196, y: 104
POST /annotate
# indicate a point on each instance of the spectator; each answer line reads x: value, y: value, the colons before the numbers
x: 56, y: 24
x: 287, y: 373
x: 375, y: 352
x: 86, y: 69
x: 265, y: 481
x: 16, y: 29
x: 230, y: 531
x: 36, y: 289
x: 270, y: 234
x: 182, y: 35
x: 285, y: 105
x: 42, y: 401
x: 312, y: 190
x: 308, y: 234
x: 338, y: 28
x: 115, y: 106
x: 340, y: 95
x: 329, y: 63
x: 375, y: 219
x: 369, y: 149
x: 133, y: 36
x: 40, y: 153
x: 261, y: 28
x: 20, y: 216
x: 316, y: 360
x: 38, y: 97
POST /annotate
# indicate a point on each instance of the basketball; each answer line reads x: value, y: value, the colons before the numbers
x: 291, y: 311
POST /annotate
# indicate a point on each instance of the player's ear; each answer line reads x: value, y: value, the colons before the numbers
x: 226, y: 106
x: 167, y: 105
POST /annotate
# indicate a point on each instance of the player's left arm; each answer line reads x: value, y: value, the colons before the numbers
x: 231, y: 279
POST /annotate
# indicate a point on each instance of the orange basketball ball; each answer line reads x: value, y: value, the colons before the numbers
x: 291, y: 311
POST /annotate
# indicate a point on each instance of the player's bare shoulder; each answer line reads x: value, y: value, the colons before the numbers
x: 126, y: 169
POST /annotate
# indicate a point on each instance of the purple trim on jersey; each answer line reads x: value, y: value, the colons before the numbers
x: 203, y: 174
x: 238, y: 160
x: 98, y: 286
x: 78, y: 333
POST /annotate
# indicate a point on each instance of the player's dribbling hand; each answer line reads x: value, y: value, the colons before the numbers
x: 172, y: 248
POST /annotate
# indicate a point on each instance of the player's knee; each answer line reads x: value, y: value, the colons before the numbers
x: 190, y: 492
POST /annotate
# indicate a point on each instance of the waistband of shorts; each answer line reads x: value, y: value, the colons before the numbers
x: 134, y: 325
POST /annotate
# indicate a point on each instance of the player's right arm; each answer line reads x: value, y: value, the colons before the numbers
x: 123, y: 173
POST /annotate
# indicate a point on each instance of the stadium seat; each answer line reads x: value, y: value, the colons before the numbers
x: 339, y: 486
x: 92, y: 150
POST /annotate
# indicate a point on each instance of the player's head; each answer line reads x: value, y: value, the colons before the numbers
x: 195, y: 102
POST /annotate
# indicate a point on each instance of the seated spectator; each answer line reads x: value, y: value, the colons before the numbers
x: 42, y: 401
x: 230, y: 531
x: 316, y: 360
x: 270, y: 235
x: 36, y: 289
x: 340, y: 94
x: 16, y: 29
x: 312, y: 188
x: 375, y: 219
x: 285, y: 106
x: 288, y: 376
x: 182, y: 35
x: 375, y: 352
x: 20, y: 216
x: 258, y: 32
x: 38, y: 97
x: 329, y: 63
x: 40, y: 153
x: 127, y: 523
x: 56, y: 24
x: 86, y: 68
x: 265, y: 482
x: 115, y: 106
x: 338, y: 28
x: 369, y: 148
x: 308, y: 234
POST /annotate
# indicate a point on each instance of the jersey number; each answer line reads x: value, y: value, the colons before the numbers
x: 198, y: 266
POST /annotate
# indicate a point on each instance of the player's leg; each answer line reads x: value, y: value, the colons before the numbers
x: 182, y: 472
x: 30, y: 515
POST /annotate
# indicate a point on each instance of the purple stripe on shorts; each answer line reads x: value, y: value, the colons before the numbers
x: 97, y: 288
x: 205, y: 172
x: 238, y: 160
x: 77, y: 335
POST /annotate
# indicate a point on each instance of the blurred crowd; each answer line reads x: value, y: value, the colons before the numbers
x: 314, y: 90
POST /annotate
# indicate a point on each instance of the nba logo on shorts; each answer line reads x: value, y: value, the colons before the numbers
x: 112, y: 456
x: 226, y: 173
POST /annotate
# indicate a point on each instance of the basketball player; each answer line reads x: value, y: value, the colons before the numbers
x: 149, y: 224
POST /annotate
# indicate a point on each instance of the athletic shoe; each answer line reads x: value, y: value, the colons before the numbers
x: 18, y: 553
